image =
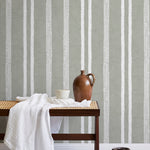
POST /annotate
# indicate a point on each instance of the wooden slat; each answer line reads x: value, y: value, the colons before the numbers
x: 60, y: 112
x: 73, y: 136
x: 2, y: 136
x: 97, y: 133
x: 67, y: 136
x: 70, y: 112
x: 4, y: 112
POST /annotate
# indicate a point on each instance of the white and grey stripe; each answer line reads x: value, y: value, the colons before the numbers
x: 8, y: 71
x: 89, y: 36
x: 66, y: 46
x: 49, y: 47
x: 106, y: 71
x: 82, y: 35
x: 130, y: 72
x: 89, y: 52
x: 82, y: 50
x: 32, y: 49
x: 24, y: 47
x: 66, y: 56
x: 122, y: 70
x: 146, y: 71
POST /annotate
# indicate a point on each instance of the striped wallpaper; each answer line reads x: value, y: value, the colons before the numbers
x: 44, y: 45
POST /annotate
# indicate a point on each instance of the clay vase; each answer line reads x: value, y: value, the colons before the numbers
x: 82, y: 86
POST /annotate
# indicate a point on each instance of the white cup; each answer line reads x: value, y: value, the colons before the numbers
x: 62, y: 94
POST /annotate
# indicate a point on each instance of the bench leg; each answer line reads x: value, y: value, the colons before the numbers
x: 97, y: 132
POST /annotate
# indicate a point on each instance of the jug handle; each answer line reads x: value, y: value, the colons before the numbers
x: 93, y: 76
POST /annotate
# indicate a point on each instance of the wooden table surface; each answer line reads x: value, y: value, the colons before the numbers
x: 93, y: 110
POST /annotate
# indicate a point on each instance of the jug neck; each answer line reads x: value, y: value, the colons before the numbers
x: 82, y: 72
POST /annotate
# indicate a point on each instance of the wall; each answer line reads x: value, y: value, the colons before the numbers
x: 45, y: 43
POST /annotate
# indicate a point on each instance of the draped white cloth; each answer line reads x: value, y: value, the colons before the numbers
x: 29, y: 125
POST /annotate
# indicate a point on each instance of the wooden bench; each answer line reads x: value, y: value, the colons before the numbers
x: 93, y: 110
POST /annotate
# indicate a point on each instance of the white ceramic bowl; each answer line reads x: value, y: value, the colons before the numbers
x: 62, y: 94
x: 19, y: 99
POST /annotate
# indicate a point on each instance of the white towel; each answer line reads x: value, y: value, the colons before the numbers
x: 68, y: 102
x: 28, y: 126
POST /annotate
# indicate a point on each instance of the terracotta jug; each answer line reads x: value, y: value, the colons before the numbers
x: 82, y: 86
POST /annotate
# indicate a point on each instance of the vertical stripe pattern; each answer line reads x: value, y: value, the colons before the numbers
x: 89, y: 52
x: 49, y: 47
x: 66, y: 46
x: 32, y: 49
x: 122, y: 69
x: 82, y: 50
x: 88, y: 28
x: 24, y: 47
x: 130, y: 72
x: 82, y: 36
x: 66, y: 56
x: 89, y: 36
x: 8, y: 71
x: 146, y: 71
x: 106, y: 71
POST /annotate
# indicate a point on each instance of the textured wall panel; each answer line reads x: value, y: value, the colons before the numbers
x: 112, y: 41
